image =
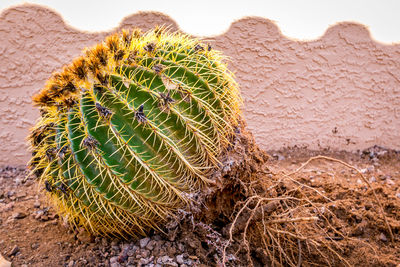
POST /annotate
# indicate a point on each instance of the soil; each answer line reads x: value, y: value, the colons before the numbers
x: 344, y: 217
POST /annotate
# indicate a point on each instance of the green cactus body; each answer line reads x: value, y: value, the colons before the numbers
x: 132, y: 127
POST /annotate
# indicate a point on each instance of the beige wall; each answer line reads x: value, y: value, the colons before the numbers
x: 340, y: 91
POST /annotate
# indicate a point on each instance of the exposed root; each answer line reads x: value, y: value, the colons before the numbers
x: 286, y: 222
x: 255, y: 217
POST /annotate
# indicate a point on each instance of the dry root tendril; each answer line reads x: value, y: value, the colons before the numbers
x: 285, y: 225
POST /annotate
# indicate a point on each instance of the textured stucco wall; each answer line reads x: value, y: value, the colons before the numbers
x: 340, y: 91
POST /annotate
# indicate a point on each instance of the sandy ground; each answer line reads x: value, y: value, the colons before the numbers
x: 31, y: 234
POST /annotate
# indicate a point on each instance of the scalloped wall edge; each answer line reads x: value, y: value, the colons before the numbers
x: 340, y: 91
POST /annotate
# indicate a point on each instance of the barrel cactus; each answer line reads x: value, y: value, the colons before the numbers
x: 131, y: 128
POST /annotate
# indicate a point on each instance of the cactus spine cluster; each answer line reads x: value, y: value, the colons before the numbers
x: 131, y: 127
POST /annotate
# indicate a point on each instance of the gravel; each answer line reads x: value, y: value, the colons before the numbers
x: 144, y: 241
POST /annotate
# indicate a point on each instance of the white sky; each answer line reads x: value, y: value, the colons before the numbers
x: 301, y: 19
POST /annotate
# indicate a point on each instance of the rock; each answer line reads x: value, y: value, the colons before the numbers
x: 227, y: 166
x: 4, y: 262
x: 144, y: 253
x: 53, y: 216
x: 145, y: 261
x: 398, y: 195
x: 132, y: 251
x: 372, y: 179
x: 164, y: 259
x: 10, y: 194
x: 144, y: 241
x: 71, y: 263
x: 104, y: 242
x: 151, y: 244
x: 179, y: 259
x: 114, y: 242
x: 171, y: 250
x: 6, y: 207
x: 13, y: 251
x: 123, y: 256
x: 113, y: 260
x: 390, y: 182
x: 181, y: 247
x: 383, y: 237
x: 277, y: 156
x: 39, y: 213
x: 18, y: 215
x: 20, y: 195
x: 44, y: 218
x: 381, y: 153
x: 34, y: 245
x: 131, y: 261
x: 36, y: 205
x: 383, y: 177
x: 84, y: 236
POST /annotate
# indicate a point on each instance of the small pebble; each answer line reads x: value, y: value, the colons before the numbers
x: 113, y: 260
x: 145, y: 260
x: 104, y: 242
x: 181, y: 247
x: 383, y: 237
x: 150, y: 245
x: 115, y: 242
x: 38, y: 214
x: 390, y: 182
x: 36, y: 204
x: 179, y: 259
x: 165, y: 259
x: 132, y: 251
x: 144, y: 253
x: 84, y: 236
x: 383, y: 177
x: 35, y: 245
x: 6, y: 207
x: 18, y: 215
x: 144, y: 241
x: 14, y: 251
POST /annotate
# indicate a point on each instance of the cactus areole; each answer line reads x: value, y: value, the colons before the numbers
x: 131, y: 128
